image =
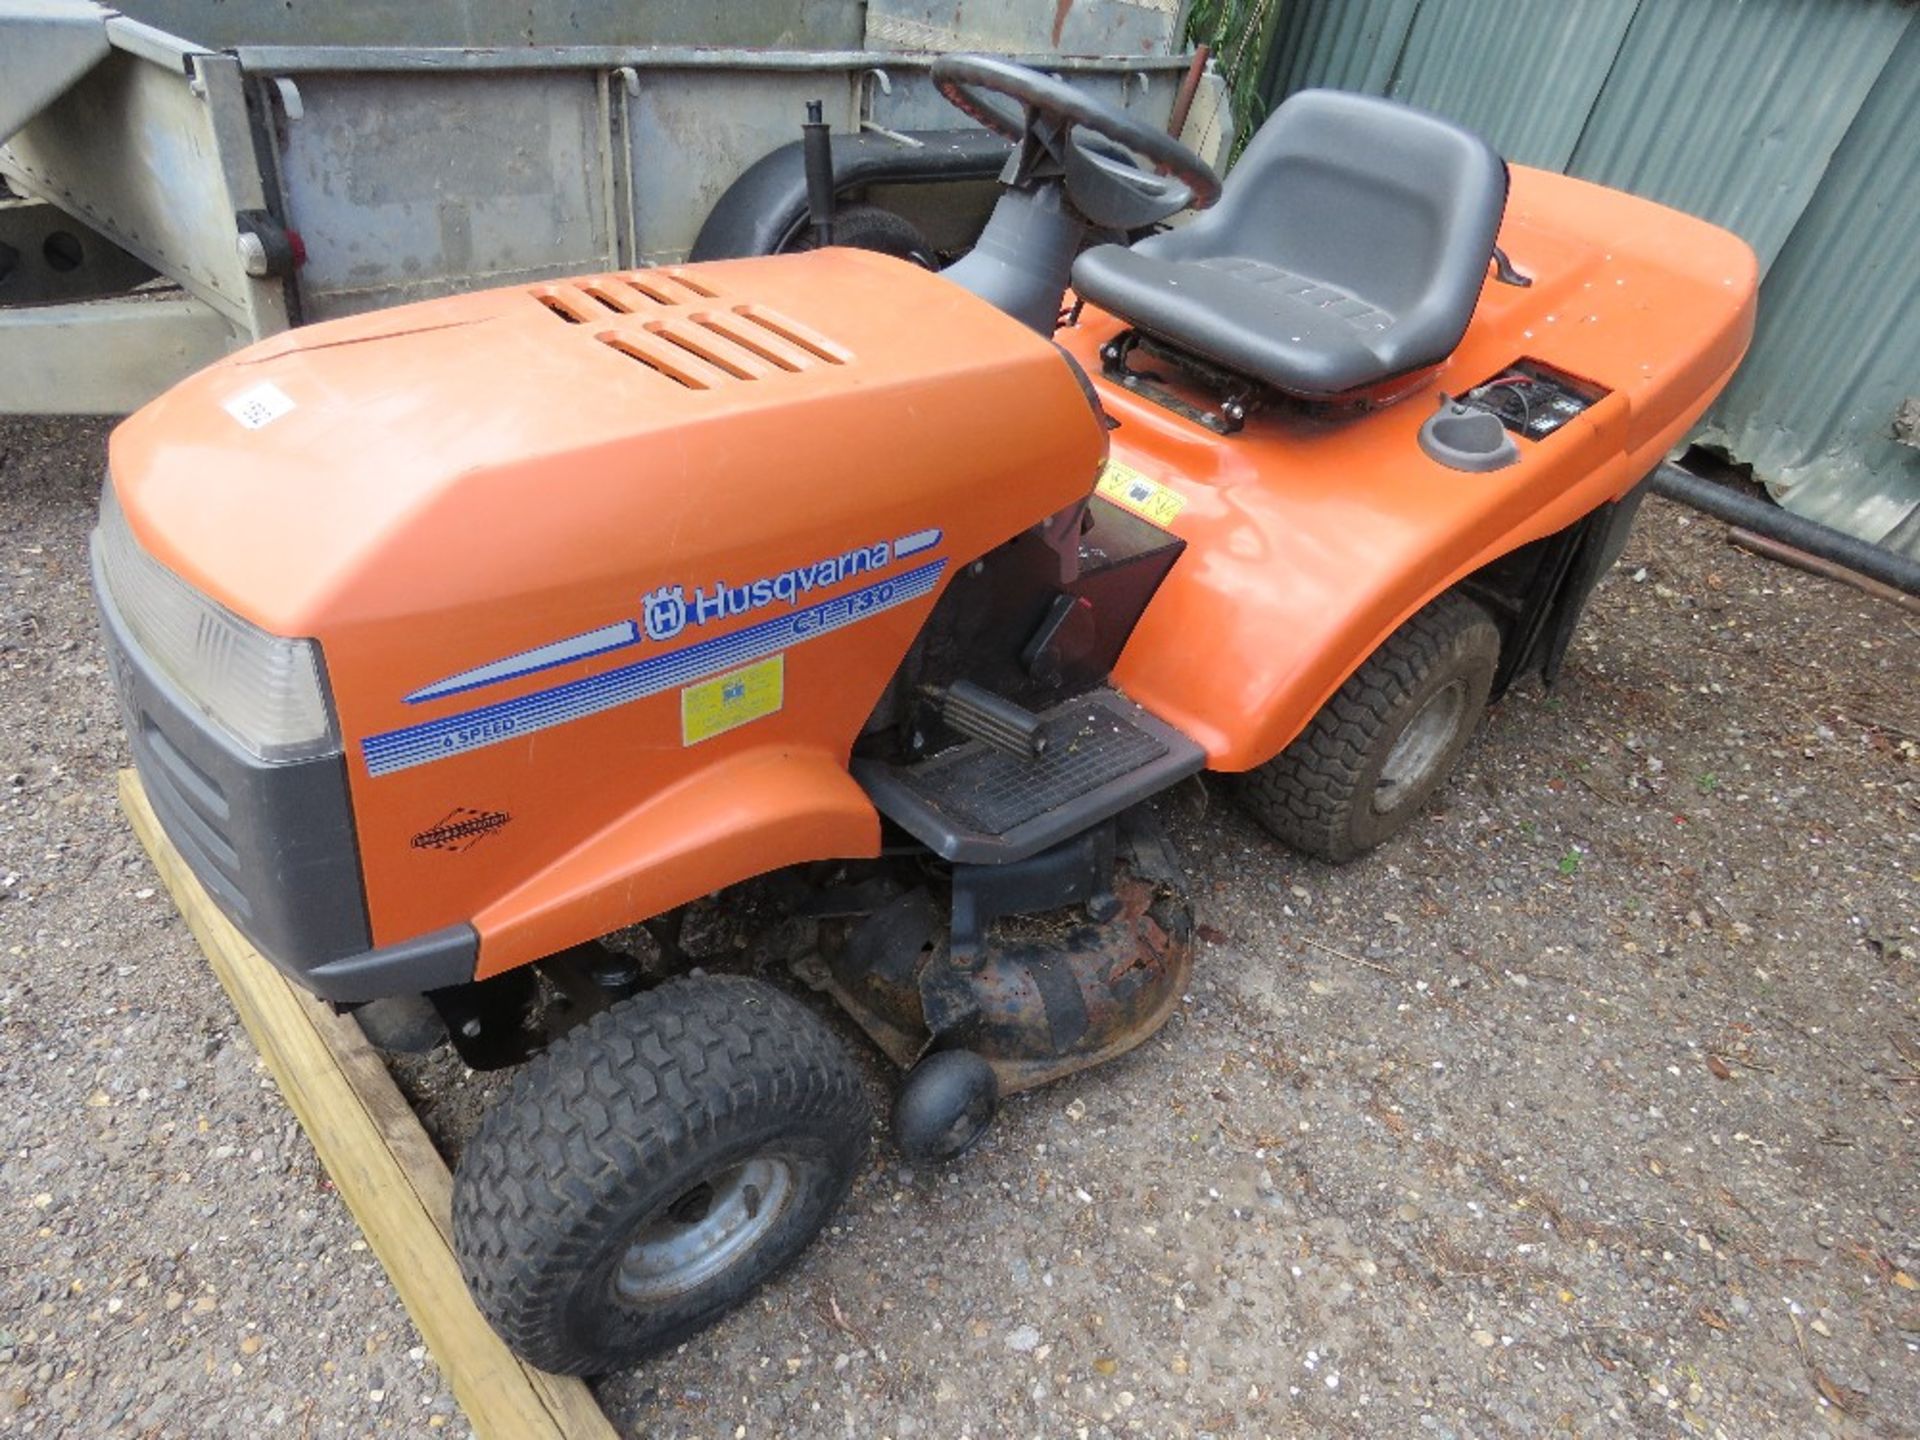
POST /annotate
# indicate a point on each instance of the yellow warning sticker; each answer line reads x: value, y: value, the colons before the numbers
x: 1146, y: 497
x: 729, y: 701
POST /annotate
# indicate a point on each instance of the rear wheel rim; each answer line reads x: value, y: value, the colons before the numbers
x: 705, y: 1230
x: 1421, y: 747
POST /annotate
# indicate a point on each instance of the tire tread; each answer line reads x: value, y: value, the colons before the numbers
x: 639, y: 1088
x: 1307, y: 795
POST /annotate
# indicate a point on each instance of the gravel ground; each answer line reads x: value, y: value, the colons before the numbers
x: 1588, y: 1105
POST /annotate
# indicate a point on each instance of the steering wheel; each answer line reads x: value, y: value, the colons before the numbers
x: 1102, y: 183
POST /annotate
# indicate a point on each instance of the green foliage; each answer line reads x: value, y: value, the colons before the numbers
x: 1239, y: 33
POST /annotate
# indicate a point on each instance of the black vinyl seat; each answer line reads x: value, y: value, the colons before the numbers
x: 1348, y: 248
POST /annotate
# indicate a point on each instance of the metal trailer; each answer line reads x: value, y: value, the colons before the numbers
x: 296, y: 160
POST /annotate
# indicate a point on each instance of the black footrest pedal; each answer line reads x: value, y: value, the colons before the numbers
x: 978, y: 803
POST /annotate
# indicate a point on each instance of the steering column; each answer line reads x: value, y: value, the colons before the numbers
x: 1071, y: 166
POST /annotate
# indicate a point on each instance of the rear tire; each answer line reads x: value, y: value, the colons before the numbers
x: 869, y: 227
x: 653, y: 1168
x: 1389, y: 737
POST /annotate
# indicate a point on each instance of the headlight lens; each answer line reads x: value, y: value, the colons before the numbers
x: 262, y: 689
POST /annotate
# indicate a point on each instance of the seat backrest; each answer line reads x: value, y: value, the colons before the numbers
x: 1395, y: 206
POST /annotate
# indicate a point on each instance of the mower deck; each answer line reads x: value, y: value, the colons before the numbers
x: 1045, y: 996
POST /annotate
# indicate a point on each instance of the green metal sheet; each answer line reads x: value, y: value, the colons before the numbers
x: 1523, y: 73
x: 1342, y: 44
x: 1731, y: 110
x: 1838, y: 346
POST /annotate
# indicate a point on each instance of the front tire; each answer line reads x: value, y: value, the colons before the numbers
x: 1389, y: 737
x: 653, y: 1168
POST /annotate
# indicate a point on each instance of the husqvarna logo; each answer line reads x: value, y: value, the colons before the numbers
x: 665, y: 611
x: 668, y: 610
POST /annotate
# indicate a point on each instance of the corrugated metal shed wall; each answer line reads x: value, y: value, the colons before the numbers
x: 1795, y: 123
x: 1731, y: 109
x: 1565, y: 47
x: 1348, y: 44
x: 1838, y: 346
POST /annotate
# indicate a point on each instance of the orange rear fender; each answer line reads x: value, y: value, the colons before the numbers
x: 1311, y: 538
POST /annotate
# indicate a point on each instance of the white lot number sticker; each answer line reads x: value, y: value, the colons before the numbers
x: 260, y: 406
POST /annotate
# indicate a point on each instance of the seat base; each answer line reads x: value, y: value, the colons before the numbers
x: 1237, y: 395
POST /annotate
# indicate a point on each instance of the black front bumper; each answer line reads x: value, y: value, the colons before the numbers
x: 272, y: 843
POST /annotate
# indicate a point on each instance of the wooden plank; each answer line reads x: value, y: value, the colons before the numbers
x: 382, y: 1163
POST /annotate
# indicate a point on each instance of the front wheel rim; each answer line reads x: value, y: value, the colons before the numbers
x: 1421, y: 747
x: 705, y: 1230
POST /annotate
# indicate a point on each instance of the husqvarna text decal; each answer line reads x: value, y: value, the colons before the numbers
x: 669, y: 610
x: 543, y: 709
x: 665, y: 612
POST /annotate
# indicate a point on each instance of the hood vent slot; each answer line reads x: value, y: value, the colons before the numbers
x: 655, y: 356
x: 793, y: 333
x: 739, y: 366
x: 631, y: 292
x: 560, y: 308
x: 608, y: 299
x: 753, y: 341
x: 688, y: 283
x: 711, y: 348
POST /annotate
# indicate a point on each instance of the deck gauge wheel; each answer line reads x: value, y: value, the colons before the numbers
x: 946, y: 1103
x: 653, y: 1168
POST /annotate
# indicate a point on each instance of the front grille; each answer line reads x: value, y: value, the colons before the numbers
x: 190, y: 797
x: 273, y: 843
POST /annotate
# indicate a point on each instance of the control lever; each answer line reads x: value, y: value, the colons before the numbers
x: 981, y: 715
x: 1504, y: 272
x: 816, y: 153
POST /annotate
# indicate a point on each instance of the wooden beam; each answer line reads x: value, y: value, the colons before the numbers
x: 382, y: 1163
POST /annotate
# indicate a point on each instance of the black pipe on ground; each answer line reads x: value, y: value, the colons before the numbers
x: 1725, y: 503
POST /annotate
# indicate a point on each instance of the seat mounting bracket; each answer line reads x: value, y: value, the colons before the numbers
x: 1239, y: 396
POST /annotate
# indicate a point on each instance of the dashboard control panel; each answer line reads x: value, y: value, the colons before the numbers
x: 1533, y: 399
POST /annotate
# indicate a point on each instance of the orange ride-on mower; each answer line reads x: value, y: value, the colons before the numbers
x: 457, y: 637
